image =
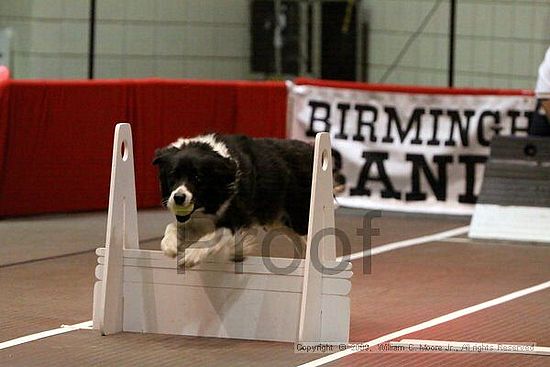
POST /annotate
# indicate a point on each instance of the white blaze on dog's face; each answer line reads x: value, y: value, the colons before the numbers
x: 180, y: 198
x: 196, y: 174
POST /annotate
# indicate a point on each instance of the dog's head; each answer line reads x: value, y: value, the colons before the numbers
x: 194, y: 176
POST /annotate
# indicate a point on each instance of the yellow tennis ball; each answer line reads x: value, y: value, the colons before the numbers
x: 184, y: 210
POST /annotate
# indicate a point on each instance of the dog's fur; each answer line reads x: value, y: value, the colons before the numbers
x: 236, y: 183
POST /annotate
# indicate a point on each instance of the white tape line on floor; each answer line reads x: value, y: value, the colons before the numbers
x: 406, y: 243
x: 433, y: 322
x: 44, y: 334
x: 470, y: 347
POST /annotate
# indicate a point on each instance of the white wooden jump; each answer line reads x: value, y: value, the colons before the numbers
x: 141, y: 291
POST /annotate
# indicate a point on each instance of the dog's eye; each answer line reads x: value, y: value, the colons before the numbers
x: 196, y: 178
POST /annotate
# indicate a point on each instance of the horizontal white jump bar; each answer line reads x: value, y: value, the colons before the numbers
x: 207, y: 279
x: 252, y: 264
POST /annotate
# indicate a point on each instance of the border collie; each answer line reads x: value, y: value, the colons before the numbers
x: 218, y: 186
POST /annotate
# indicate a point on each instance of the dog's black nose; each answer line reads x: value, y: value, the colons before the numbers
x: 179, y: 199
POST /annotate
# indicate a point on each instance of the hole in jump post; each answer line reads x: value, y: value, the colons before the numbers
x: 124, y: 150
x: 324, y: 160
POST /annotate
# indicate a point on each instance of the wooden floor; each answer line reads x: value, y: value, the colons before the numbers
x: 401, y: 288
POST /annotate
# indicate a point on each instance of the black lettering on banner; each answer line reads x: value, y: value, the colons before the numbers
x: 529, y: 115
x: 394, y: 117
x: 438, y: 185
x: 470, y: 161
x: 318, y: 105
x: 485, y: 115
x: 514, y: 114
x: 360, y: 108
x: 378, y: 159
x: 344, y: 108
x: 457, y: 121
x: 436, y: 112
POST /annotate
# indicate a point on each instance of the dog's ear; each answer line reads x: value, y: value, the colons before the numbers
x: 162, y: 154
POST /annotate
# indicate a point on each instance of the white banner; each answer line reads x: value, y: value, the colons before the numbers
x: 413, y: 152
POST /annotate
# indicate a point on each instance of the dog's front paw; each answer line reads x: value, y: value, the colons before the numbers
x: 169, y: 246
x: 192, y: 257
x: 169, y: 243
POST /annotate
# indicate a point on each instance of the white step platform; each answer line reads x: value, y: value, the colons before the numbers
x: 514, y: 202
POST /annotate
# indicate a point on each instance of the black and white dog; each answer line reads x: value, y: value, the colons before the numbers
x: 220, y: 185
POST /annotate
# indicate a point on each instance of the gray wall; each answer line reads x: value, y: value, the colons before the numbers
x: 49, y: 37
x: 135, y: 38
x: 499, y: 42
x: 173, y: 38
